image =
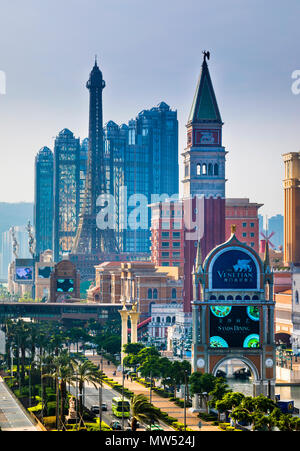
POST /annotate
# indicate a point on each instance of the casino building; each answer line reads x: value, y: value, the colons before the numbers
x: 233, y: 312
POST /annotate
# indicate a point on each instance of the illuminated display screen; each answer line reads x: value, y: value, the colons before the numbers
x: 24, y: 273
x: 44, y: 272
x: 234, y: 327
x: 234, y: 270
x: 65, y: 285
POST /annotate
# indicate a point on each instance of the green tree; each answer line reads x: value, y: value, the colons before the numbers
x: 86, y: 372
x: 142, y: 411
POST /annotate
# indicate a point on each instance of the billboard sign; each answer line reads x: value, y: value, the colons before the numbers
x: 234, y: 326
x: 24, y: 270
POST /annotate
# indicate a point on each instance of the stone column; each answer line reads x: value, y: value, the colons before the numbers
x: 124, y: 331
x: 134, y: 316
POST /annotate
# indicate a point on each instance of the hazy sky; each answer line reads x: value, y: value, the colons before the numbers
x: 151, y: 51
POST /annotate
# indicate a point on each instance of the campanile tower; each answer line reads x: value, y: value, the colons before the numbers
x: 204, y: 156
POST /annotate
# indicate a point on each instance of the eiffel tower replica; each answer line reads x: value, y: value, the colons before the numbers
x: 92, y: 244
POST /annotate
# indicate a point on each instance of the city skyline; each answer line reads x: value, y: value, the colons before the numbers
x: 260, y: 121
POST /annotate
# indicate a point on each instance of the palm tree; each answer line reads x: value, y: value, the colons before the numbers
x: 62, y: 372
x: 142, y: 411
x: 86, y: 372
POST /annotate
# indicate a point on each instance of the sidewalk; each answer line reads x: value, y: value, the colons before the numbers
x: 12, y: 416
x: 162, y: 403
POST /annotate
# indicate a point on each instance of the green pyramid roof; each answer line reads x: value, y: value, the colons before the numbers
x: 204, y: 107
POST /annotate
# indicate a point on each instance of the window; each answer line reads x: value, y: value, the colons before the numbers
x: 216, y: 169
x: 165, y: 264
x: 176, y: 254
x: 213, y: 298
x: 176, y: 244
x: 155, y: 293
x: 198, y: 170
x: 176, y: 264
x: 165, y: 244
x: 204, y: 170
x: 165, y: 234
x: 252, y: 235
x: 297, y: 297
x: 244, y: 234
x: 252, y: 244
x: 252, y: 224
x: 221, y: 298
x: 165, y: 254
x: 176, y: 234
x: 210, y: 169
x: 149, y: 293
x: 244, y: 224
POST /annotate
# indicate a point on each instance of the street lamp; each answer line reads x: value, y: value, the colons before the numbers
x: 100, y: 395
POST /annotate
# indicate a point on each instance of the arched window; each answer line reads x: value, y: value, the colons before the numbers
x: 198, y: 170
x: 238, y: 298
x: 297, y: 297
x: 216, y: 169
x: 210, y: 169
x: 158, y: 319
x: 174, y: 293
x: 230, y: 298
x: 247, y: 298
x: 255, y: 297
x: 173, y: 319
x: 155, y: 293
x: 212, y: 298
x: 168, y: 320
x: 204, y: 169
x: 149, y: 293
x: 221, y: 298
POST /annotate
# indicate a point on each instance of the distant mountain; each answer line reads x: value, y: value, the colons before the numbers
x: 15, y: 214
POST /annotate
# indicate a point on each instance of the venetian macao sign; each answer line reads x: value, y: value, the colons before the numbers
x: 234, y: 270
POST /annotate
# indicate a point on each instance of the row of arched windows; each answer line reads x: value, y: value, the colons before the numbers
x: 169, y: 320
x: 231, y: 298
x: 207, y: 169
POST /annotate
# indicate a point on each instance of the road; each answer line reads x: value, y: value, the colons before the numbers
x: 91, y: 397
x: 12, y: 416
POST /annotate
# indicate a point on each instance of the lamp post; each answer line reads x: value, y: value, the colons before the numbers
x: 185, y: 386
x: 123, y: 380
x: 100, y: 395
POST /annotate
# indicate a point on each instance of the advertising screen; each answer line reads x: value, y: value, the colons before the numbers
x: 234, y: 326
x: 24, y: 273
x: 44, y: 272
x: 65, y: 285
x: 234, y: 270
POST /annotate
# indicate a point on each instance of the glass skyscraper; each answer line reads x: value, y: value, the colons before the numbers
x: 43, y: 203
x: 66, y: 191
x: 151, y: 167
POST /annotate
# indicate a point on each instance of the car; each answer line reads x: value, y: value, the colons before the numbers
x: 104, y: 407
x: 95, y: 409
x: 116, y: 426
x: 154, y: 427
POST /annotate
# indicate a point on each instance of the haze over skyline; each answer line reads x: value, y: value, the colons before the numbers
x: 148, y: 53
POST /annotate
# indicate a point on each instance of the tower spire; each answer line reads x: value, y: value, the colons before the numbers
x: 205, y: 107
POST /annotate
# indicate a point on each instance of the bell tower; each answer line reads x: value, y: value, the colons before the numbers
x: 204, y: 156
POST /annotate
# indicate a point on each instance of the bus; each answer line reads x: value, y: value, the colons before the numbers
x: 118, y: 410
